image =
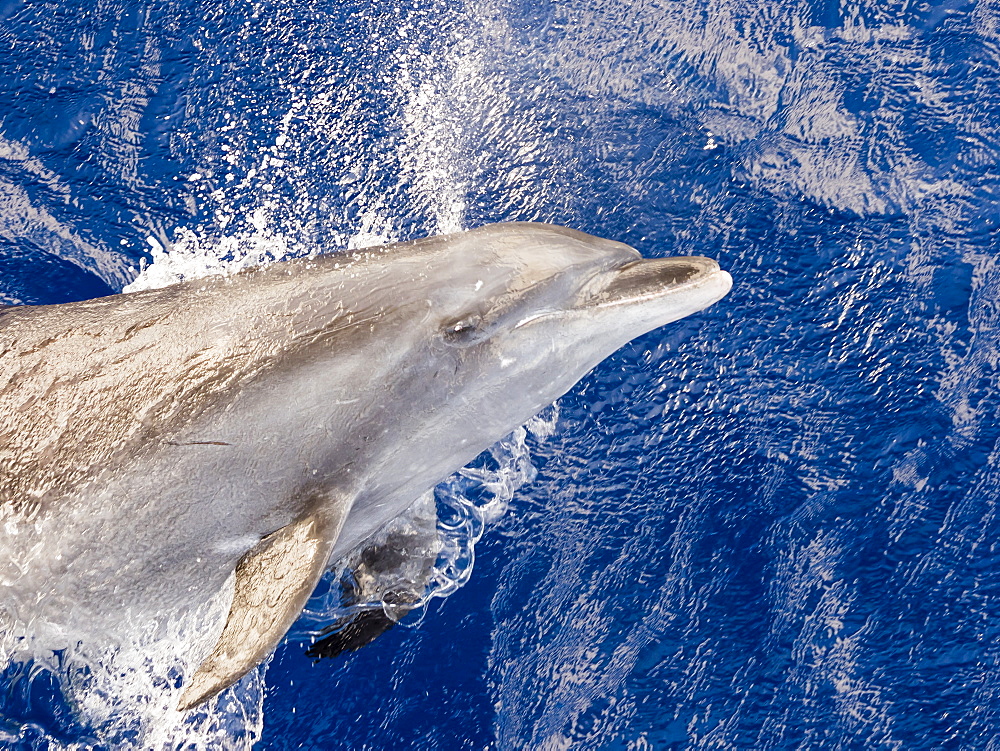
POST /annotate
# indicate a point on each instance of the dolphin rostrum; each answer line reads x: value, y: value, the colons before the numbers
x: 269, y: 422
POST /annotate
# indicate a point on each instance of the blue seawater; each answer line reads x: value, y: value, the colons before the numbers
x: 773, y: 525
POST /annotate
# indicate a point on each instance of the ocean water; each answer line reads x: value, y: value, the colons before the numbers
x: 772, y: 525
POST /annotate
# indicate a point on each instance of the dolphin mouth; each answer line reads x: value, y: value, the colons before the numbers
x: 666, y: 288
x: 651, y: 278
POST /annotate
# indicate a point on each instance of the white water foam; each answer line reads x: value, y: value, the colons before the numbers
x: 124, y: 687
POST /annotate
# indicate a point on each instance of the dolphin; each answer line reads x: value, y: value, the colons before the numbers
x: 257, y: 427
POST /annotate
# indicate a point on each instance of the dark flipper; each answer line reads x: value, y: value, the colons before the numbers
x: 387, y: 577
x: 349, y: 634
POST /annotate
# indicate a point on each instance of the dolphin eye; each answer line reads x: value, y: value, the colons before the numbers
x: 463, y: 332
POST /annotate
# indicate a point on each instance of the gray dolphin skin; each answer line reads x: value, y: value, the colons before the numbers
x: 257, y: 427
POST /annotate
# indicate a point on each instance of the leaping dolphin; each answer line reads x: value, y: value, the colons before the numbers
x: 269, y: 422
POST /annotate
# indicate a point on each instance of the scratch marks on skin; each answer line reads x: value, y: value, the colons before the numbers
x: 198, y: 443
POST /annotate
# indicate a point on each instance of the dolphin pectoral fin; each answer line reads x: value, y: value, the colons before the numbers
x: 351, y: 634
x: 388, y: 576
x: 273, y: 582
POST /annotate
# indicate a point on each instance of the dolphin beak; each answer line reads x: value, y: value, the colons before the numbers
x: 696, y: 279
x: 648, y: 292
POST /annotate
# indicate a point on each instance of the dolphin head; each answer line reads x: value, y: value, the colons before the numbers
x: 457, y: 340
x: 536, y: 306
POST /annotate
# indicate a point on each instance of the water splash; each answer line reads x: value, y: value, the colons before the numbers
x: 122, y: 691
x: 448, y: 522
x: 478, y: 495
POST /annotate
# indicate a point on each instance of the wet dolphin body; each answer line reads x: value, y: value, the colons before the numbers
x: 271, y: 421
